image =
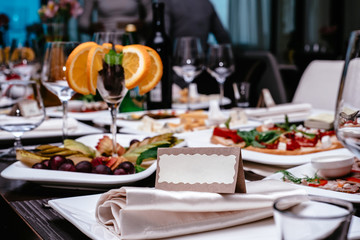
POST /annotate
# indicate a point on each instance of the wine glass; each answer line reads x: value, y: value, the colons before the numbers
x: 188, y: 60
x: 21, y: 110
x: 24, y: 60
x: 347, y: 125
x: 53, y: 75
x: 220, y: 64
x: 111, y: 80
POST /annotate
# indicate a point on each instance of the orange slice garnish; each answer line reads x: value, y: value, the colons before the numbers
x: 76, y: 68
x: 93, y: 65
x: 155, y: 73
x: 136, y: 64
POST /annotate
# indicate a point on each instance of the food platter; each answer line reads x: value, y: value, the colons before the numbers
x: 128, y: 125
x: 202, y: 139
x: 19, y: 171
x: 53, y: 128
x: 308, y: 170
x: 74, y: 105
x: 201, y: 104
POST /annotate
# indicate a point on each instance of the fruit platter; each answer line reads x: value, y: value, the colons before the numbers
x: 86, y: 163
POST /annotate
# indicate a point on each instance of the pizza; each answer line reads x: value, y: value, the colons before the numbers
x: 280, y: 139
x: 346, y: 184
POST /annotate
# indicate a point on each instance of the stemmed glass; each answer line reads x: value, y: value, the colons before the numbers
x: 21, y: 110
x: 220, y: 64
x: 188, y: 60
x: 347, y: 125
x: 24, y: 61
x: 53, y: 75
x: 111, y: 80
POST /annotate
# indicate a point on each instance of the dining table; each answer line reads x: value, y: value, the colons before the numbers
x: 26, y: 214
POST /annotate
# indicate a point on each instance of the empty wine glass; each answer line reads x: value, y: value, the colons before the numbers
x: 188, y: 60
x: 53, y: 75
x: 220, y: 64
x: 347, y: 125
x: 111, y: 80
x: 21, y: 110
x: 23, y: 60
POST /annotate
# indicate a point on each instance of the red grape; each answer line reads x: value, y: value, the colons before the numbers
x: 83, y: 166
x: 56, y: 161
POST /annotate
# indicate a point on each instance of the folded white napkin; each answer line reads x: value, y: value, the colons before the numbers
x: 54, y: 124
x: 148, y: 213
x: 279, y: 110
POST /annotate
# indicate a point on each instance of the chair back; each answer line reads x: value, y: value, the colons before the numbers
x: 270, y: 78
x: 319, y: 84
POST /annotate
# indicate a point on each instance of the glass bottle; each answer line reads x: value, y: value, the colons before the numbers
x: 161, y: 96
x: 133, y: 101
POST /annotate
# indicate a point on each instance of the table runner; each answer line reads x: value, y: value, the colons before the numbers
x: 48, y: 223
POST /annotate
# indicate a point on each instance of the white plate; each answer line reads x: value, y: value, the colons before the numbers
x: 81, y: 129
x: 202, y: 139
x: 133, y: 126
x: 80, y: 211
x: 308, y: 170
x: 83, y: 116
x: 19, y: 171
x: 199, y: 105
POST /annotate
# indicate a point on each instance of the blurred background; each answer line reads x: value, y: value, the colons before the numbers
x: 293, y: 32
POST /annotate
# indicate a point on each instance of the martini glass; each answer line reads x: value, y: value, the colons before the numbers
x: 111, y: 80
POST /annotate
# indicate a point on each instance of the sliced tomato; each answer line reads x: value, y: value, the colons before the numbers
x: 228, y: 134
x: 306, y: 142
x: 273, y: 145
x: 292, y: 144
x: 321, y: 182
x: 353, y: 179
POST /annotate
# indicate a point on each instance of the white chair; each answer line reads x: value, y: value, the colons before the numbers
x: 319, y: 84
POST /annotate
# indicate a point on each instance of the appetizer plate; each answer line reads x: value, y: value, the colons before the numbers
x: 308, y: 170
x: 80, y: 211
x: 134, y: 126
x: 200, y: 105
x: 76, y: 104
x: 53, y: 128
x: 19, y: 171
x: 202, y: 139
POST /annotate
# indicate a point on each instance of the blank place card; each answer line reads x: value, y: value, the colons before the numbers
x: 217, y: 170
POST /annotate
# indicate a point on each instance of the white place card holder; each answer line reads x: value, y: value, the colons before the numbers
x: 29, y: 108
x: 217, y: 170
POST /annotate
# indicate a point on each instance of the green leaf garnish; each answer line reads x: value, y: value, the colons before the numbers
x: 150, y: 153
x: 113, y: 58
x: 291, y: 177
x: 139, y: 168
x: 227, y: 123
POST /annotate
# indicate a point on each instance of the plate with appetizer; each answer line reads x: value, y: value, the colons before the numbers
x: 176, y: 121
x: 86, y: 162
x: 80, y: 110
x: 343, y: 185
x: 282, y: 144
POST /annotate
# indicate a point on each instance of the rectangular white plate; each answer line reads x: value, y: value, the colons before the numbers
x: 308, y: 170
x: 83, y: 116
x: 81, y: 129
x: 80, y: 211
x: 134, y: 126
x: 19, y: 171
x: 202, y: 139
